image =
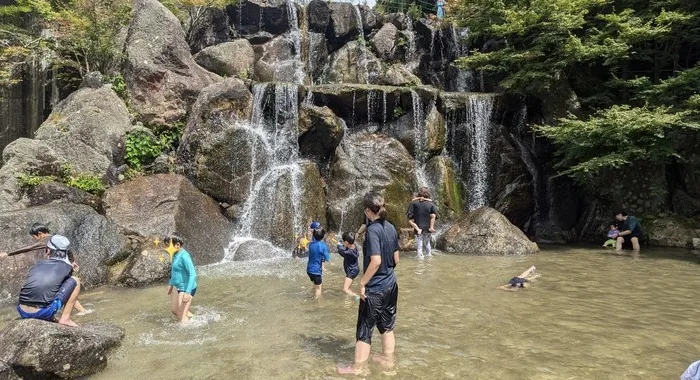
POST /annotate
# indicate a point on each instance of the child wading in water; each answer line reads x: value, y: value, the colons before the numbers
x: 352, y: 268
x: 612, y: 235
x: 522, y: 280
x: 318, y: 254
x: 183, y: 279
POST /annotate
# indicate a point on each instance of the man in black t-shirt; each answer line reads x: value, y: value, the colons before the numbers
x: 421, y: 216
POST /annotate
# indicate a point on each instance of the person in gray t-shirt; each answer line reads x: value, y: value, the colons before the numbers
x: 421, y: 216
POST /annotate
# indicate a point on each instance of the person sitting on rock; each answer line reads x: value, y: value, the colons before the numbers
x: 48, y: 288
x: 631, y: 231
x: 183, y: 279
x: 522, y: 280
x: 612, y: 235
x: 301, y: 248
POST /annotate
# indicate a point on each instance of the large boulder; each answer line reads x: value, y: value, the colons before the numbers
x: 319, y: 16
x: 87, y: 128
x: 671, y: 231
x: 365, y: 162
x: 346, y: 22
x: 485, y: 231
x: 254, y: 16
x: 147, y: 267
x: 169, y: 203
x: 685, y: 205
x: 220, y: 152
x: 353, y: 63
x: 35, y: 349
x: 313, y: 190
x: 385, y: 41
x: 369, y: 18
x: 24, y: 156
x: 277, y: 61
x: 425, y: 139
x: 398, y: 75
x: 253, y: 249
x: 210, y: 28
x: 448, y: 192
x: 400, y: 20
x: 55, y: 192
x: 95, y: 241
x: 233, y: 59
x: 320, y: 131
x: 162, y: 77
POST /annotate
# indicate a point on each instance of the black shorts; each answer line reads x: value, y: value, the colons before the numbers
x: 351, y: 275
x: 193, y: 291
x: 377, y: 309
x: 317, y: 279
x: 627, y: 244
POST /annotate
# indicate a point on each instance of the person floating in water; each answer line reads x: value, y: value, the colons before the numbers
x: 318, y: 255
x: 348, y: 251
x: 183, y: 279
x: 522, y: 280
x: 612, y: 235
x: 631, y: 231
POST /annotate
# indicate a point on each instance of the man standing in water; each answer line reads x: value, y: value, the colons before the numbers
x: 378, y: 288
x: 631, y: 231
x: 421, y: 216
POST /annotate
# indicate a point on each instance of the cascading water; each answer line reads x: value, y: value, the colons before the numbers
x: 478, y: 112
x: 412, y: 62
x: 364, y: 74
x: 420, y: 137
x: 295, y: 36
x: 272, y: 208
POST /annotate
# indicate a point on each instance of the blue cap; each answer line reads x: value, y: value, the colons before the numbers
x: 315, y: 225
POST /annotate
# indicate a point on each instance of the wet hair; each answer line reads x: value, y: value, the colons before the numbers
x: 38, y: 228
x: 349, y: 237
x: 375, y: 203
x: 319, y: 233
x: 621, y: 212
x: 174, y: 238
x: 424, y: 192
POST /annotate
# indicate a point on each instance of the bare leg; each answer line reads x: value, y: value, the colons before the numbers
x: 79, y: 307
x: 635, y: 244
x: 175, y: 303
x: 362, y: 350
x: 419, y: 246
x: 508, y: 288
x: 388, y: 342
x: 527, y: 272
x: 317, y: 291
x: 346, y: 287
x: 618, y: 246
x: 68, y: 307
x: 185, y: 309
x: 426, y: 244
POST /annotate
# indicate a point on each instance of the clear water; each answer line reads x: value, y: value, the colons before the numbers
x: 591, y: 315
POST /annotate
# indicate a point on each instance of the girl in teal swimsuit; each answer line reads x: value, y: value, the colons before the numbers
x: 183, y: 279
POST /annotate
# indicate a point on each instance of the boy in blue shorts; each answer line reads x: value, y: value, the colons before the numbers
x: 318, y: 254
x: 352, y: 268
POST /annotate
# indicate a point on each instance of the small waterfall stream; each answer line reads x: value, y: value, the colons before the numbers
x: 479, y: 109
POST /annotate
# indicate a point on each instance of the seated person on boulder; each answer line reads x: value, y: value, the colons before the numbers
x: 522, y: 280
x: 630, y: 231
x: 48, y: 288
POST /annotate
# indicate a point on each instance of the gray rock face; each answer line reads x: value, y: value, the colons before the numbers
x: 448, y: 192
x: 20, y: 157
x: 369, y: 18
x: 235, y: 58
x: 398, y: 75
x: 318, y: 55
x: 86, y: 128
x: 257, y: 249
x: 34, y: 349
x: 432, y: 133
x: 320, y: 132
x: 95, y: 241
x: 384, y: 42
x: 485, y: 231
x: 146, y: 267
x: 671, y: 231
x: 162, y: 78
x: 353, y: 63
x: 319, y: 16
x: 345, y: 22
x: 168, y: 203
x: 685, y: 205
x: 400, y: 20
x: 52, y: 192
x: 210, y: 29
x: 277, y: 61
x: 365, y: 162
x: 254, y: 16
x: 216, y: 152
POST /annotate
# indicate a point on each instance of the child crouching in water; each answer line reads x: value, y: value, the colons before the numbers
x: 612, y: 235
x: 522, y: 280
x: 318, y: 254
x: 352, y: 268
x: 183, y: 279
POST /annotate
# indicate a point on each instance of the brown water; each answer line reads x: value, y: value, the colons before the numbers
x: 591, y: 315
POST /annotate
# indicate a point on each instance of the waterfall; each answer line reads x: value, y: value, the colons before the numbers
x: 420, y: 137
x: 478, y: 111
x: 411, y: 58
x: 273, y: 205
x: 364, y: 79
x: 295, y: 36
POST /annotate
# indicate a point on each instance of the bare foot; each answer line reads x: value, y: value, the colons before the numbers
x: 349, y: 370
x: 67, y: 322
x: 189, y: 314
